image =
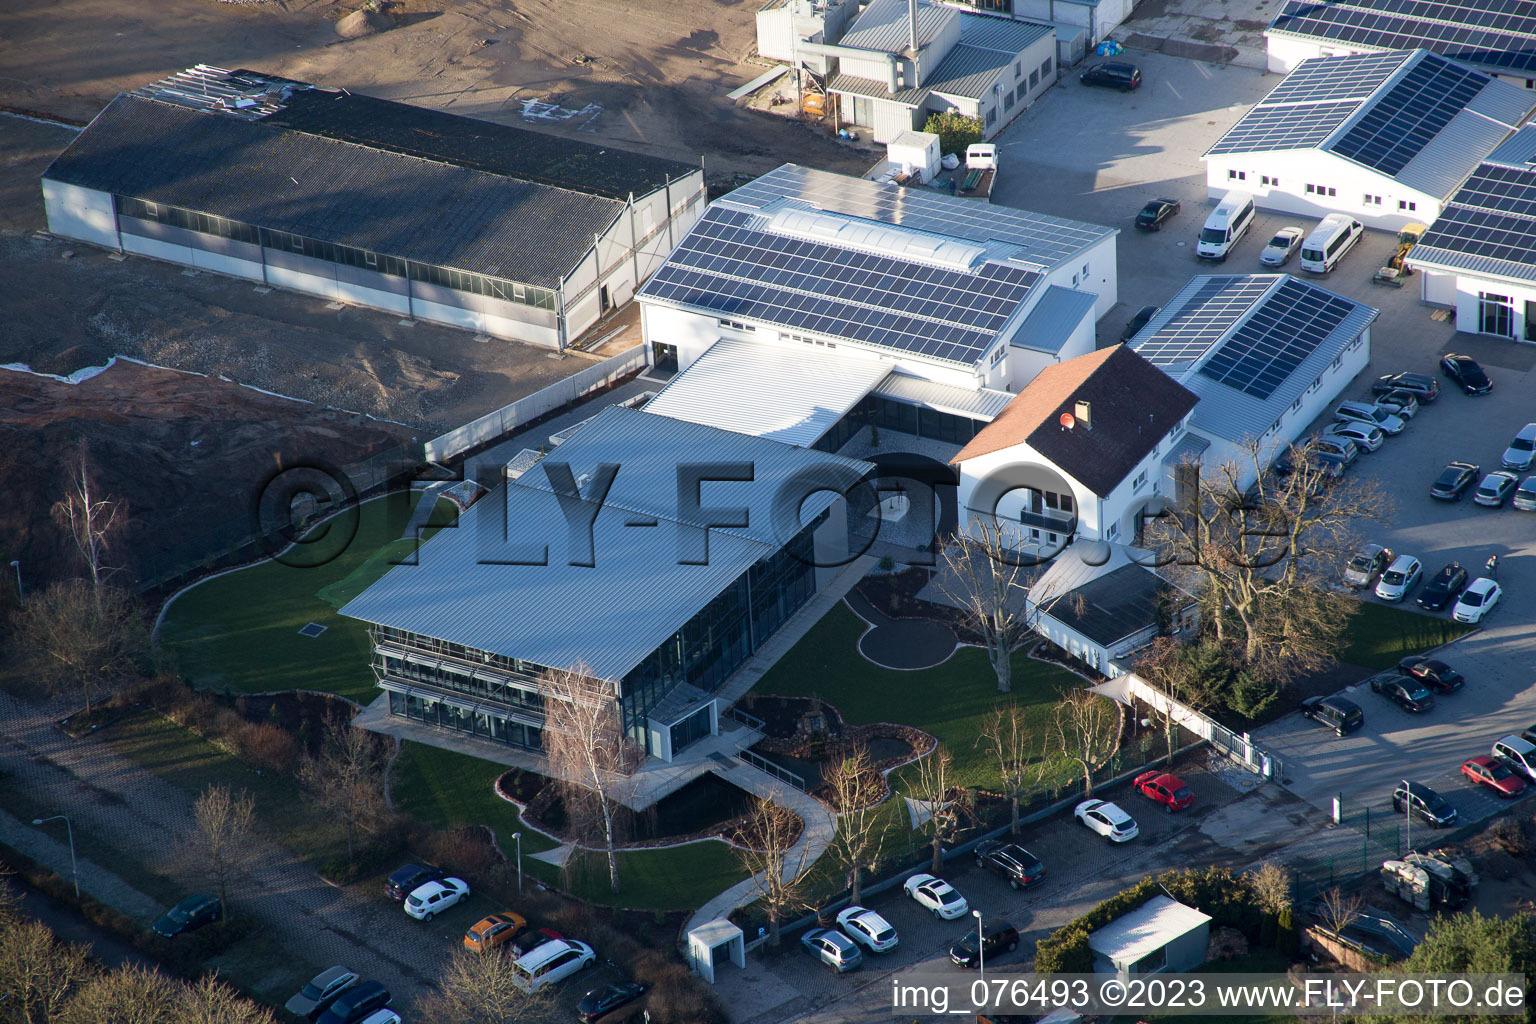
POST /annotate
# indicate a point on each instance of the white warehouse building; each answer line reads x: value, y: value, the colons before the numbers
x: 1384, y: 137
x: 510, y: 232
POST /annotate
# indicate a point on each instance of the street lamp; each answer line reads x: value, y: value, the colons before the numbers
x: 1407, y: 817
x: 73, y: 867
x: 519, y: 837
x: 20, y: 597
x: 981, y: 947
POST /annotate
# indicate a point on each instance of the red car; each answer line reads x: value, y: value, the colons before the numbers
x: 1495, y: 774
x: 1168, y: 790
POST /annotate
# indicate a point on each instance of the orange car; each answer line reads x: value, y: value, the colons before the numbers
x: 491, y: 931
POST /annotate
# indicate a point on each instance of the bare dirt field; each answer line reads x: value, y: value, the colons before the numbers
x: 650, y: 75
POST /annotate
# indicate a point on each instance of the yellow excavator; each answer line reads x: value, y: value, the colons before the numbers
x: 1396, y: 268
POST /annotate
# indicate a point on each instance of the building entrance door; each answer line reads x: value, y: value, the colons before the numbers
x: 1495, y: 315
x: 664, y: 357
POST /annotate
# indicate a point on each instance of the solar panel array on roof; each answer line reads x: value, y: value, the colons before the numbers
x: 1192, y: 327
x: 1310, y: 103
x: 1285, y: 127
x: 1268, y: 346
x: 732, y: 267
x: 1493, y: 215
x: 1493, y: 33
x: 1319, y: 80
x: 1413, y: 111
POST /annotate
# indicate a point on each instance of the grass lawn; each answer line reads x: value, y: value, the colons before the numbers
x: 952, y: 701
x: 1378, y: 635
x: 240, y: 631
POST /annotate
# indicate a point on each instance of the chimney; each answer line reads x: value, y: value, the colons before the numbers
x: 912, y: 25
x: 1084, y: 414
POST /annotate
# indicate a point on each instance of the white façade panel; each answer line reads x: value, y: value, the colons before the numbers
x: 298, y: 281
x: 159, y: 250
x: 221, y: 264
x: 83, y: 213
x: 358, y: 295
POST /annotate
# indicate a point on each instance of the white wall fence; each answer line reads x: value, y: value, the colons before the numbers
x: 509, y: 417
x: 1130, y: 687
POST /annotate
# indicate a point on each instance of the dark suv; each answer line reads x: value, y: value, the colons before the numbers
x: 997, y: 937
x: 1124, y: 77
x: 1339, y: 714
x: 356, y: 1003
x: 1424, y: 802
x: 1021, y: 868
x: 408, y: 879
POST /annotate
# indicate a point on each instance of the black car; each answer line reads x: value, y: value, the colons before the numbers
x: 1442, y: 588
x: 1154, y: 213
x: 1425, y: 802
x: 1124, y: 77
x: 1425, y: 389
x: 356, y: 1003
x: 1139, y: 321
x: 1337, y: 713
x: 405, y: 880
x: 1433, y: 671
x: 1466, y: 373
x: 1454, y: 480
x: 600, y: 1002
x: 189, y: 915
x: 1017, y: 865
x: 1407, y: 693
x: 997, y: 938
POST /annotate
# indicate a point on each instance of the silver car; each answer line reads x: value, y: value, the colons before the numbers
x: 1521, y: 450
x: 1367, y: 437
x: 1286, y: 241
x: 1371, y: 415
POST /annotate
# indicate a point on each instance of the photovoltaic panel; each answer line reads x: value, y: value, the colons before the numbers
x: 1323, y: 79
x: 1282, y: 332
x: 1401, y: 123
x: 1500, y: 190
x: 1200, y: 321
x: 1285, y: 127
x: 1485, y: 233
x: 1494, y: 33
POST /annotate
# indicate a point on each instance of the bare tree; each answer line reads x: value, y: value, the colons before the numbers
x: 1086, y: 727
x: 477, y: 988
x: 38, y: 973
x: 1170, y: 667
x: 1338, y: 910
x: 589, y: 757
x: 92, y: 520
x: 209, y: 1001
x: 221, y: 845
x: 82, y: 640
x: 1256, y: 550
x: 984, y: 575
x: 765, y: 845
x: 348, y: 779
x: 1007, y: 736
x: 855, y: 788
x: 1271, y: 887
x: 932, y: 783
x: 129, y: 995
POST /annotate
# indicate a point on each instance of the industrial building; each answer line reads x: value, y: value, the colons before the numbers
x: 513, y: 233
x: 1383, y: 137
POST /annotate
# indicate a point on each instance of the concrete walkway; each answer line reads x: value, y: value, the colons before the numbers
x: 40, y: 844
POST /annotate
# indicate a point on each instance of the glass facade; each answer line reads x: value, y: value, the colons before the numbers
x: 891, y: 414
x: 485, y: 723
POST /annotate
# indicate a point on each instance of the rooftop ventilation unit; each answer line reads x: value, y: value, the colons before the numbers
x: 871, y: 236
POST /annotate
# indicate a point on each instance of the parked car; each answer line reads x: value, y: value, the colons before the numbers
x: 1151, y: 216
x: 1519, y: 753
x: 1125, y: 77
x: 832, y: 948
x: 1480, y: 597
x: 867, y: 928
x: 600, y: 1002
x: 427, y: 901
x: 1372, y: 415
x: 1140, y: 320
x: 492, y: 930
x: 1367, y: 564
x: 1529, y: 734
x: 189, y: 915
x: 1433, y: 671
x: 1521, y: 450
x: 1399, y: 579
x: 1334, y: 446
x: 936, y: 895
x: 1165, y: 789
x: 1107, y: 820
x: 408, y: 878
x: 1280, y: 248
x: 1406, y: 692
x: 1340, y: 714
x: 1496, y: 488
x: 1495, y: 774
x: 1466, y: 373
x: 316, y: 997
x: 529, y: 941
x: 1525, y: 495
x: 1011, y: 862
x: 1404, y: 404
x: 381, y: 1017
x: 1366, y: 436
x: 356, y: 1003
x: 1424, y: 802
x: 1421, y: 387
x: 1443, y: 587
x: 1454, y: 480
x: 553, y: 961
x: 997, y: 937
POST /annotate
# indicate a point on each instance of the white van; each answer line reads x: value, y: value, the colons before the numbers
x: 1226, y: 224
x: 1334, y: 236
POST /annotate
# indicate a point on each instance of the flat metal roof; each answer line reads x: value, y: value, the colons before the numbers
x: 1156, y: 923
x: 1055, y: 316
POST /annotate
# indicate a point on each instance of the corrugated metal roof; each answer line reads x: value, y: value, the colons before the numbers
x: 1132, y: 936
x: 969, y: 71
x: 981, y: 404
x: 793, y: 395
x: 1441, y: 165
x: 1487, y: 225
x: 1051, y: 323
x: 987, y: 46
x: 1517, y: 151
x: 1439, y: 258
x: 1190, y: 446
x: 884, y: 26
x: 1001, y: 33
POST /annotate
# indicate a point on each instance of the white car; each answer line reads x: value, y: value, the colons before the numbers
x: 550, y: 962
x: 1400, y: 578
x: 867, y: 928
x: 1366, y: 436
x: 1399, y: 403
x: 937, y: 895
x: 381, y: 1017
x: 1107, y: 820
x: 1477, y: 600
x: 1522, y: 450
x: 1371, y: 415
x: 427, y: 901
x: 1280, y: 248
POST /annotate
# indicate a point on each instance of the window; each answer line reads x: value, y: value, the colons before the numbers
x: 1272, y: 182
x: 1140, y: 481
x: 1074, y: 280
x: 1296, y: 405
x: 1045, y: 69
x: 1331, y: 192
x: 1321, y: 190
x: 1085, y: 271
x: 1034, y: 79
x: 1403, y: 204
x: 1114, y: 530
x: 991, y: 117
x: 1338, y: 361
x: 1236, y: 175
x: 1371, y: 200
x: 1018, y: 68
